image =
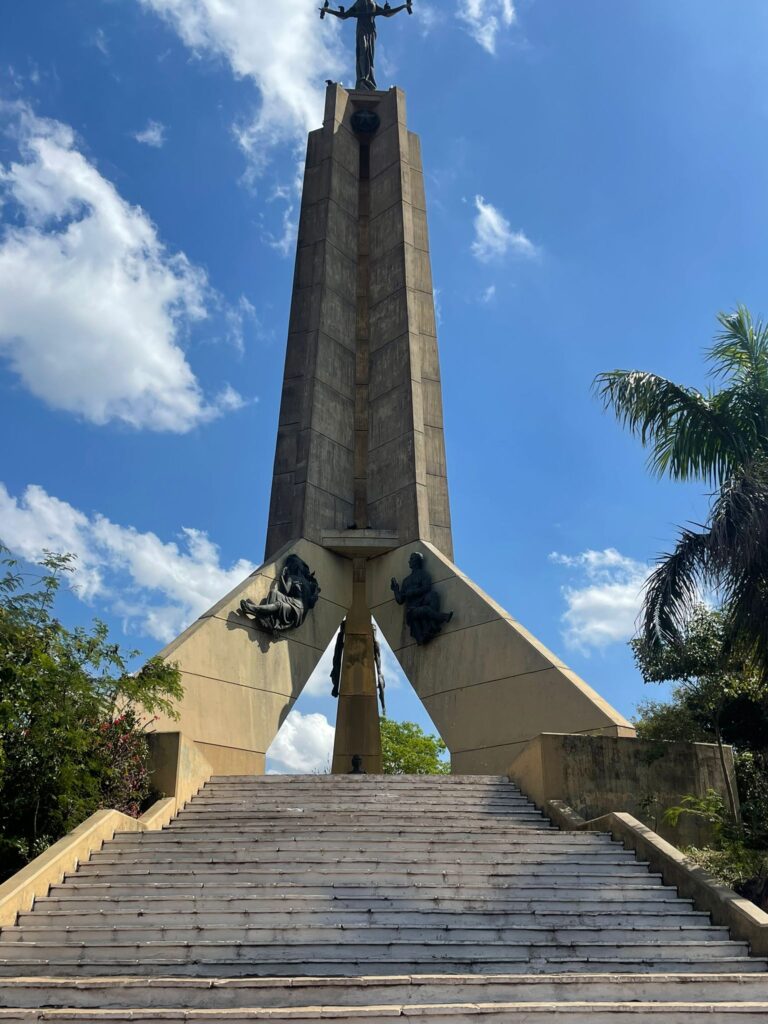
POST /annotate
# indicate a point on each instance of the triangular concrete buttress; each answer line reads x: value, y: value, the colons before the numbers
x: 239, y: 682
x: 488, y: 685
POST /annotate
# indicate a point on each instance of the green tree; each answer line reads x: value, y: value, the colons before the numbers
x: 408, y: 750
x: 71, y: 716
x: 718, y: 698
x: 721, y: 438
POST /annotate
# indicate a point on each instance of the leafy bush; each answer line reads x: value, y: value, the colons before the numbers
x: 733, y: 864
x: 72, y: 717
x: 736, y: 856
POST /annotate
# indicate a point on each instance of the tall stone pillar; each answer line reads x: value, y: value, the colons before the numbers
x: 360, y: 436
x: 357, y: 718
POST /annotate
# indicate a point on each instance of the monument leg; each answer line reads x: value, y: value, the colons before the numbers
x: 488, y: 685
x: 357, y: 719
x: 241, y: 682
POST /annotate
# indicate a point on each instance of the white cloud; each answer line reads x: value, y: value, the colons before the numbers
x: 153, y: 135
x: 158, y: 587
x: 437, y: 297
x: 494, y: 237
x: 92, y: 305
x: 303, y: 746
x: 236, y: 318
x: 489, y: 294
x: 284, y: 243
x: 287, y: 52
x: 604, y: 602
x: 429, y: 18
x: 319, y: 683
x: 484, y: 19
x: 100, y: 41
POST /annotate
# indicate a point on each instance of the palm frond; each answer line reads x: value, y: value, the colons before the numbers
x: 689, y: 434
x: 673, y: 590
x: 746, y: 601
x: 741, y: 348
x: 738, y: 523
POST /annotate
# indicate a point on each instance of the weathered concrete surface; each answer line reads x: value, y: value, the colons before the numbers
x: 360, y: 435
x: 597, y: 774
x: 179, y: 768
x: 488, y: 685
x: 239, y: 682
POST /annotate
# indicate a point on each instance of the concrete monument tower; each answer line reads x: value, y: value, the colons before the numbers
x: 360, y: 490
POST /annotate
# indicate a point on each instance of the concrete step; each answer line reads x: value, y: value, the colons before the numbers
x: 253, y: 820
x: 269, y: 993
x: 389, y: 803
x: 454, y: 1013
x: 289, y: 933
x: 357, y: 948
x: 442, y: 782
x: 378, y: 874
x: 643, y: 886
x: 501, y: 791
x: 173, y: 845
x: 613, y: 961
x: 332, y: 839
x: 150, y: 916
x: 401, y: 811
x: 72, y: 898
x: 359, y: 855
x: 373, y: 831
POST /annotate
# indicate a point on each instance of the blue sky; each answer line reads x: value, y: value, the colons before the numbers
x: 596, y: 185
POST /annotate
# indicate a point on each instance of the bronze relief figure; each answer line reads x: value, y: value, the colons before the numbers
x: 291, y: 597
x: 423, y: 614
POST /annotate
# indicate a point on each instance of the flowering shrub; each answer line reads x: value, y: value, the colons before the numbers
x: 123, y: 753
x: 72, y: 718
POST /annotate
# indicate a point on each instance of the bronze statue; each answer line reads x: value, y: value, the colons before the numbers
x: 338, y: 651
x: 422, y: 604
x: 380, y: 681
x: 291, y: 598
x: 366, y: 12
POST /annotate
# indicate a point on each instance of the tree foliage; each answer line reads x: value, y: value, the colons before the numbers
x: 71, y: 716
x: 718, y: 698
x: 721, y: 438
x: 408, y: 750
x: 718, y: 691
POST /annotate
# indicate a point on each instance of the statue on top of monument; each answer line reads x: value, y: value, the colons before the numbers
x: 291, y: 597
x: 423, y: 615
x: 366, y: 12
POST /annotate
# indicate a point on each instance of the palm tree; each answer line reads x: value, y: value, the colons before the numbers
x: 721, y: 438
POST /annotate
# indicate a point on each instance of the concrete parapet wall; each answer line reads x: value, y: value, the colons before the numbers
x: 596, y: 774
x: 19, y: 892
x: 179, y: 768
x: 745, y: 920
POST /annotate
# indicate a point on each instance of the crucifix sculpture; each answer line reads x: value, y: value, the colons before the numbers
x: 366, y: 12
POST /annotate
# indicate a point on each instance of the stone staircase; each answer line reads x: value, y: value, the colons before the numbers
x: 365, y: 897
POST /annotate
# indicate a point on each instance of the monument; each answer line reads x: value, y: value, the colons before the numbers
x: 359, y: 523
